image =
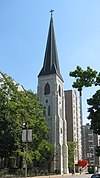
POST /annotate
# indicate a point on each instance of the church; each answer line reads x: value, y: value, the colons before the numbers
x: 51, y: 93
x: 62, y: 108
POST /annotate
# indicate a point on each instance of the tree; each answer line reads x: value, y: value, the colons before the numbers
x: 94, y: 112
x: 84, y: 78
x: 18, y: 107
x: 98, y: 79
x: 31, y: 112
x: 71, y: 153
x: 87, y: 79
x: 9, y: 126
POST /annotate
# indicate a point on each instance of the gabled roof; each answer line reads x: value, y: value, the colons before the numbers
x: 4, y: 76
x: 51, y: 63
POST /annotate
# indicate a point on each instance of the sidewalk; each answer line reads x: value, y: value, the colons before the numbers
x: 51, y: 176
x: 55, y: 176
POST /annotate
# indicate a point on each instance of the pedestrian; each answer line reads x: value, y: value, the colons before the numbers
x: 72, y: 171
x: 80, y: 170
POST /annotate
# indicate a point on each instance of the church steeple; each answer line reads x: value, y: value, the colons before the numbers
x: 51, y: 94
x: 51, y: 63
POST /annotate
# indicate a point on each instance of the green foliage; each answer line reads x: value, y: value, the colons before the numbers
x: 18, y: 107
x: 94, y: 112
x: 84, y: 78
x: 98, y: 79
x: 9, y: 129
x: 71, y: 152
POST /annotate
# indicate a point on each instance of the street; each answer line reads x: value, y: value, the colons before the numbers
x: 66, y: 176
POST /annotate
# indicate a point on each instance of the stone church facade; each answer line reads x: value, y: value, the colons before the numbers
x: 51, y: 93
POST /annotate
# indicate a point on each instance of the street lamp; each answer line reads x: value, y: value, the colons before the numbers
x: 26, y: 138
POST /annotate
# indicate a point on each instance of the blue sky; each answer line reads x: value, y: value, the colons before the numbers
x: 23, y: 34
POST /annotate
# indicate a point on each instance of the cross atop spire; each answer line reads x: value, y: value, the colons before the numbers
x: 51, y: 11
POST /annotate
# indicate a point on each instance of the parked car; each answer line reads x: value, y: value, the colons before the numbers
x: 97, y: 175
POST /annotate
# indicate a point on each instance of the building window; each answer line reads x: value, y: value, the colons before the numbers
x: 61, y: 130
x: 59, y: 91
x: 48, y: 110
x: 47, y: 89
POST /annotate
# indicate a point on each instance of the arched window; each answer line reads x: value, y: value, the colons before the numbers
x: 59, y: 91
x: 48, y: 110
x: 47, y: 89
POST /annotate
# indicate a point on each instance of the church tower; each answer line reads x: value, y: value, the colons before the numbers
x: 51, y: 93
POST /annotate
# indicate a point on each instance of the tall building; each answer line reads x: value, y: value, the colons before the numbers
x: 90, y: 141
x: 51, y: 92
x: 72, y: 115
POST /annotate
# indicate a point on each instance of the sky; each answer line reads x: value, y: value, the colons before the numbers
x: 24, y: 28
